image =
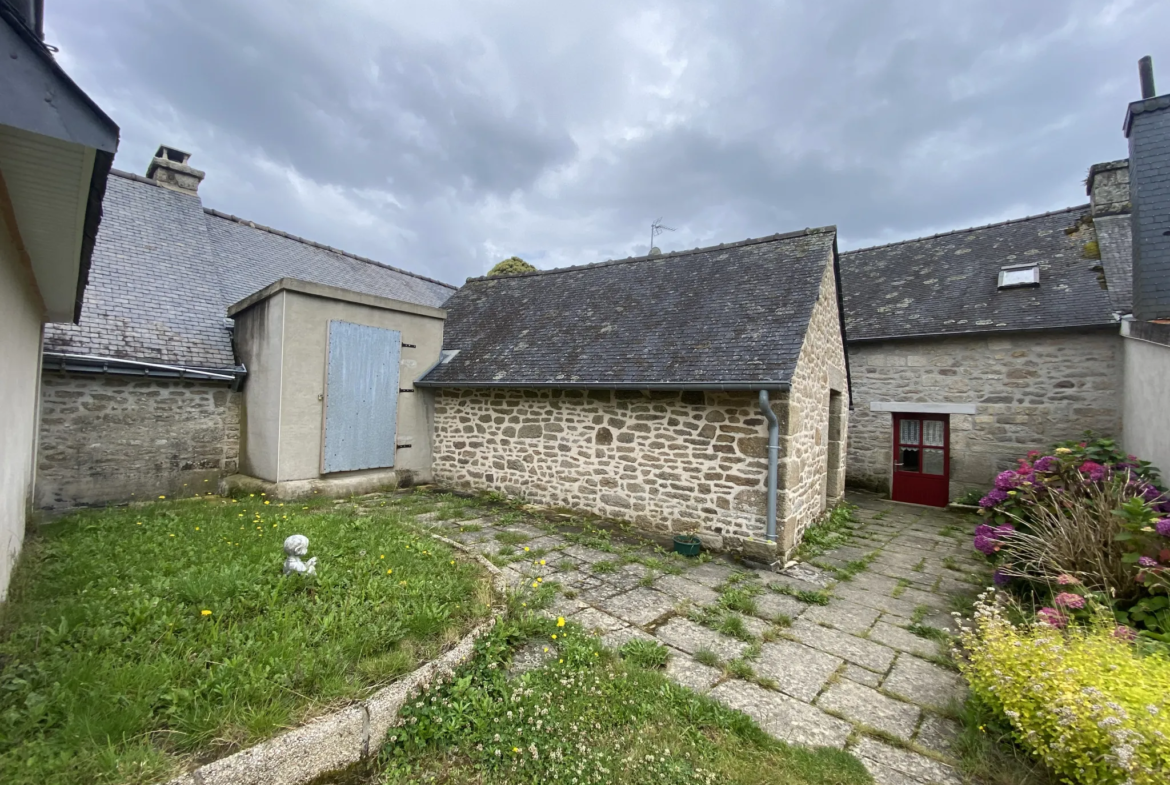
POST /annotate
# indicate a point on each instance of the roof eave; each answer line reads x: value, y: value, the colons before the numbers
x: 728, y: 386
x: 996, y: 330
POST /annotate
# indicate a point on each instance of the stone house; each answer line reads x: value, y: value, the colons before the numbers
x: 643, y: 389
x: 56, y: 149
x: 972, y: 347
x: 142, y: 397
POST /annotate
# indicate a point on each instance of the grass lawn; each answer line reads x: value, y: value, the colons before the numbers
x: 587, y: 716
x: 137, y: 640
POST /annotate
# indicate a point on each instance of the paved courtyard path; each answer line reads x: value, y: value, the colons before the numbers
x: 846, y: 650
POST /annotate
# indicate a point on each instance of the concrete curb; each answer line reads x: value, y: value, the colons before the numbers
x: 344, y: 737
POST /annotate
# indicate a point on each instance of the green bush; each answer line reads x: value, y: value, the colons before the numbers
x: 513, y: 265
x: 1087, y: 701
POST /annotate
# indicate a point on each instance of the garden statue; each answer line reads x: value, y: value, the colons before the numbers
x: 295, y: 547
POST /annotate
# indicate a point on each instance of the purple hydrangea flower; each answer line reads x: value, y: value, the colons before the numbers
x: 1005, y: 481
x: 1150, y: 493
x: 1045, y: 464
x: 1052, y: 617
x: 1146, y: 561
x: 985, y: 545
x: 1069, y: 600
x: 1094, y: 470
x: 983, y: 530
x: 1162, y: 527
x: 1000, y: 578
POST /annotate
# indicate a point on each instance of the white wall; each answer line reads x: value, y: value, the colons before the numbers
x: 1146, y: 403
x: 20, y: 351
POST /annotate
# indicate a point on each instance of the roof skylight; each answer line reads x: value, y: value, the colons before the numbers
x: 1018, y: 275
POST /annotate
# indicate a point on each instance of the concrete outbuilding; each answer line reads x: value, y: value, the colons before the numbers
x: 329, y: 404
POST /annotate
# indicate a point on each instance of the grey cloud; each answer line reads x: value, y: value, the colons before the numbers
x: 440, y: 140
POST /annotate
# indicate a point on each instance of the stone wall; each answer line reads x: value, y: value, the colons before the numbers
x: 666, y: 461
x: 119, y: 438
x: 805, y: 443
x: 1030, y: 389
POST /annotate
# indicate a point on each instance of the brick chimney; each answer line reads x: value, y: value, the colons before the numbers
x: 170, y: 170
x: 1147, y: 126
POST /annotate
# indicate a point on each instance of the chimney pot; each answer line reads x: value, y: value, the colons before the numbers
x: 1146, y: 73
x: 169, y: 168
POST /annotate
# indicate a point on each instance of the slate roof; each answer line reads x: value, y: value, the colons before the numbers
x: 732, y: 315
x: 948, y: 283
x: 165, y: 269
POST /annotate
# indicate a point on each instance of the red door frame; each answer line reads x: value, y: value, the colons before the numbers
x: 915, y: 486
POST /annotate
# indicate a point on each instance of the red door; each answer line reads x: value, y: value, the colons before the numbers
x: 922, y: 459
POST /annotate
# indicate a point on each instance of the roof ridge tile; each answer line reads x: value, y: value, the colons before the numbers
x: 952, y: 232
x: 808, y: 231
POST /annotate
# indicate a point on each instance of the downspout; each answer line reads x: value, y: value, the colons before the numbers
x: 773, y: 460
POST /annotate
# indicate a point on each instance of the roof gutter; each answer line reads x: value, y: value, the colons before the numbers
x: 994, y: 331
x: 732, y: 386
x: 88, y: 363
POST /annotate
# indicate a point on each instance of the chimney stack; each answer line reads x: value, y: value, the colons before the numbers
x: 170, y: 170
x: 1146, y: 72
x: 1147, y: 125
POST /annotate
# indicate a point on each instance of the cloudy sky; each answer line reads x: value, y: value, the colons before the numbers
x: 446, y: 135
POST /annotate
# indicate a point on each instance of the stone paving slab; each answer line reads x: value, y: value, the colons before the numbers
x: 924, y: 683
x: 865, y: 705
x: 871, y: 581
x: 783, y: 717
x: 689, y: 672
x: 841, y: 644
x: 874, y: 600
x: 938, y: 734
x: 904, y: 640
x: 861, y: 675
x: 691, y: 637
x: 683, y: 589
x: 892, y: 766
x: 595, y: 621
x: 618, y: 638
x: 771, y: 605
x: 798, y: 671
x: 844, y: 615
x: 711, y: 574
x: 587, y: 554
x: 794, y: 584
x: 639, y: 606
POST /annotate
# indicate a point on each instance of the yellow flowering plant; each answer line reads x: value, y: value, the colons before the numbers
x: 1088, y: 701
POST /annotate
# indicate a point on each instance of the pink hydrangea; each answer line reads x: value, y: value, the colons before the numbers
x: 1094, y: 470
x: 1052, y: 617
x: 1124, y: 633
x: 1066, y: 580
x: 1069, y: 600
x: 1146, y: 561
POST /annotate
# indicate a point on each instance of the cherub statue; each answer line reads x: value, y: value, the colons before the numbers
x: 295, y: 547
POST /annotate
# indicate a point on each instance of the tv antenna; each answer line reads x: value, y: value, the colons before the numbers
x: 656, y: 229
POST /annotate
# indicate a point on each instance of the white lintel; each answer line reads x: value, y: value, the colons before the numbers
x: 922, y: 408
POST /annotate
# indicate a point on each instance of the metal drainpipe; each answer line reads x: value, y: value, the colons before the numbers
x: 773, y: 460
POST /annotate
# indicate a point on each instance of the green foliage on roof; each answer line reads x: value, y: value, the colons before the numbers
x: 513, y: 265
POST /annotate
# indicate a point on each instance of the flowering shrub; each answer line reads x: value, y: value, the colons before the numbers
x: 1088, y: 514
x: 1085, y: 700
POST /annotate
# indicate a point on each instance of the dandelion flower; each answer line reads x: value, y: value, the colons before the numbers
x: 162, y: 497
x: 560, y: 621
x: 205, y: 613
x: 534, y: 584
x: 139, y: 523
x: 554, y: 637
x: 383, y: 556
x: 526, y: 549
x: 452, y: 562
x: 546, y: 648
x: 389, y: 572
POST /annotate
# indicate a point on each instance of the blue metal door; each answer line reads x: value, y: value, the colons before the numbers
x: 361, y: 397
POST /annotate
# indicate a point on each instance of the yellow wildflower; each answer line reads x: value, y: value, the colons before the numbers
x: 560, y: 621
x: 205, y: 612
x: 162, y: 497
x: 554, y: 637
